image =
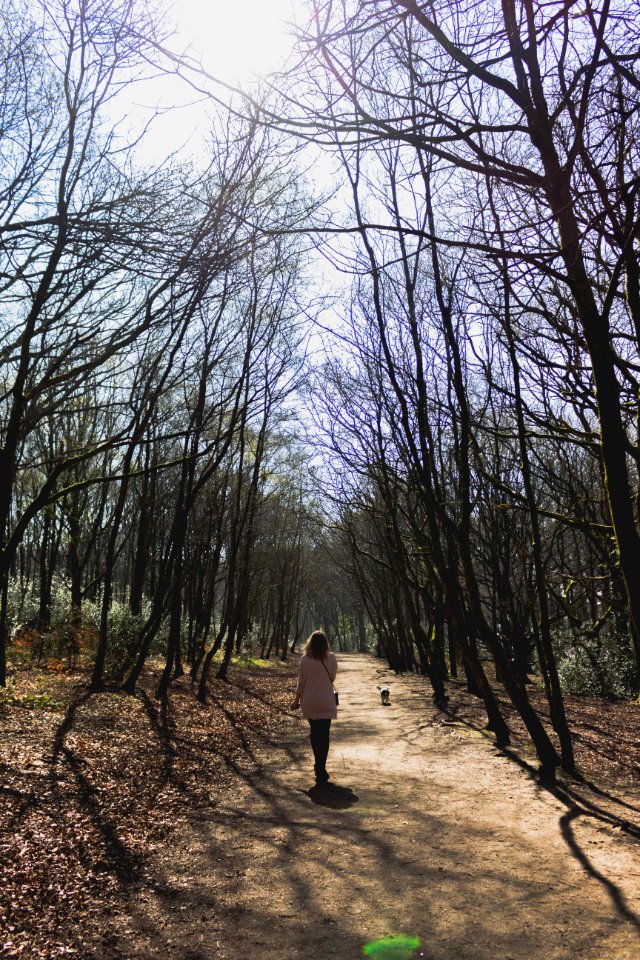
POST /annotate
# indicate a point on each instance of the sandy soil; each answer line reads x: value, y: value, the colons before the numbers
x: 428, y: 832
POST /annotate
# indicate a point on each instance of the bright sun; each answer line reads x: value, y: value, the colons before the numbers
x: 237, y: 41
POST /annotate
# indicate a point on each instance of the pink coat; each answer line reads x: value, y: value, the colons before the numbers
x: 315, y: 688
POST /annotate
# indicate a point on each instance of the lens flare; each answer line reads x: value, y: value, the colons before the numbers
x: 392, y: 948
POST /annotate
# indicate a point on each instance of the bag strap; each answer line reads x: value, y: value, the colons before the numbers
x: 328, y: 674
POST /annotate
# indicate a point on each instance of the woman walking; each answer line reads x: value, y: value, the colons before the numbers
x: 317, y: 698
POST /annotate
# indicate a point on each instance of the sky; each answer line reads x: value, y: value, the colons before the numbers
x: 237, y: 42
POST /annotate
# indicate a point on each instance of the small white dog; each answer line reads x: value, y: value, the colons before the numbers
x: 385, y: 693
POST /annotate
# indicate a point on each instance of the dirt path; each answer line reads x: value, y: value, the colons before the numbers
x: 430, y: 833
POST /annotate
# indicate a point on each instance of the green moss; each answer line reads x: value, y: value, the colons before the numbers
x: 32, y: 701
x: 244, y: 660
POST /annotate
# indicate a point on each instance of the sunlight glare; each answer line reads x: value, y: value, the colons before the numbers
x: 400, y: 947
x: 237, y: 42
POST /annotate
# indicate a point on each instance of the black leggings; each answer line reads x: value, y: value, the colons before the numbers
x: 319, y: 736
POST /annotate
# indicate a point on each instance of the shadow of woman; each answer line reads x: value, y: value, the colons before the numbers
x: 332, y: 795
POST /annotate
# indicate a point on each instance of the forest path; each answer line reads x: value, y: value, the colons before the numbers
x: 430, y: 833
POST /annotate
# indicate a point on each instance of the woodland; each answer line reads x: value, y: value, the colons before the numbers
x: 369, y: 361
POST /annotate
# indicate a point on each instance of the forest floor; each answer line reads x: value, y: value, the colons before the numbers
x: 136, y: 829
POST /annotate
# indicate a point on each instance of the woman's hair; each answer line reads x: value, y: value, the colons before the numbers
x: 317, y: 646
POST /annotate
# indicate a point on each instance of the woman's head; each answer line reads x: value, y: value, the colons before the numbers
x: 317, y: 645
